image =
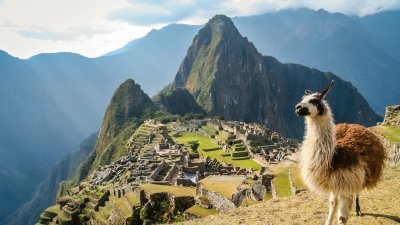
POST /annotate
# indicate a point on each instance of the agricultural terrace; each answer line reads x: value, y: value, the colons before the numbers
x: 203, y: 136
x: 281, y: 177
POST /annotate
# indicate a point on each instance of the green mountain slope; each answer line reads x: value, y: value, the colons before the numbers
x: 228, y: 76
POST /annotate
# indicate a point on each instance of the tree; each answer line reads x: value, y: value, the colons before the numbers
x: 194, y: 145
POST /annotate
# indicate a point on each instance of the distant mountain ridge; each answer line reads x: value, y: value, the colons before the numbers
x: 349, y: 47
x: 46, y: 192
x: 228, y: 76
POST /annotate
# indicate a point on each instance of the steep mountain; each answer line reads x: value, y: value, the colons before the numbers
x: 333, y: 42
x: 228, y: 76
x: 178, y: 101
x: 127, y: 107
x: 47, y: 190
x: 129, y: 101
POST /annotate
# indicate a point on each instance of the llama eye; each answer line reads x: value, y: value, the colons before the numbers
x: 314, y: 101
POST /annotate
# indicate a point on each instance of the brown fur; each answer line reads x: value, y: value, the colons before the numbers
x: 355, y: 144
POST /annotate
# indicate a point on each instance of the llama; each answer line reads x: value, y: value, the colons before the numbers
x: 337, y: 160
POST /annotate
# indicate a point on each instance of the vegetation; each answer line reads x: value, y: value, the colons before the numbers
x: 204, y: 141
x: 392, y: 133
x: 281, y: 182
x: 191, y: 116
x: 194, y: 145
x: 161, y: 115
x: 281, y: 178
x: 176, y: 190
x: 200, y: 211
x: 132, y: 199
x: 207, y: 142
x: 225, y: 185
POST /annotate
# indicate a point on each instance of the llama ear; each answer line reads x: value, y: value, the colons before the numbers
x: 324, y: 92
x: 308, y: 92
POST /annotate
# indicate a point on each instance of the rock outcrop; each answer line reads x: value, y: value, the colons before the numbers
x: 392, y: 116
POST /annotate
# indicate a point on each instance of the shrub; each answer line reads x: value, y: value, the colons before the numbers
x: 194, y: 145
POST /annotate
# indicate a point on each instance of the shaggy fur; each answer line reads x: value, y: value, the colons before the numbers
x: 337, y: 160
x: 356, y: 143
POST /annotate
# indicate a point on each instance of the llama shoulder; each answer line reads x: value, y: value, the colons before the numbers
x: 354, y: 143
x: 355, y: 137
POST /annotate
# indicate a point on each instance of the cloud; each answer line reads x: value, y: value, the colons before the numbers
x: 161, y: 12
x: 95, y: 27
x: 142, y: 12
x: 48, y: 35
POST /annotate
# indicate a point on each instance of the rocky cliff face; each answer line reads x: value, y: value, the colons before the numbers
x: 228, y: 76
x: 392, y: 116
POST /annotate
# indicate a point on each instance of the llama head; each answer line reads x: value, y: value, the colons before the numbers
x: 313, y: 104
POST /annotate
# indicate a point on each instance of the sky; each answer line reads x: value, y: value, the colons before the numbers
x: 95, y: 27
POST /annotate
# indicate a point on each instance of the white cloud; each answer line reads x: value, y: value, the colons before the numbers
x: 94, y: 27
x: 28, y: 28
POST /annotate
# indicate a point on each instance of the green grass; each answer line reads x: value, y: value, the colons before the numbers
x: 54, y: 209
x: 241, y: 158
x: 204, y: 141
x: 200, y: 211
x: 281, y: 178
x: 176, y: 190
x: 392, y: 133
x: 281, y: 182
x: 123, y: 208
x: 297, y: 180
x: 207, y: 142
x: 225, y: 185
x: 133, y: 200
x: 268, y: 196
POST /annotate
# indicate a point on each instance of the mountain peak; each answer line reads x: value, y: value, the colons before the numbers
x: 220, y: 19
x: 129, y: 101
x: 223, y: 25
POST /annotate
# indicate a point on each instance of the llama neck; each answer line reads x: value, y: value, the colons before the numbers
x: 319, y: 141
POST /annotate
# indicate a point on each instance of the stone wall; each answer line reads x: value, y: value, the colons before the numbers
x: 260, y: 158
x: 393, y: 150
x: 220, y: 203
x: 392, y: 116
x: 102, y: 200
x: 157, y: 171
x: 171, y: 173
x: 292, y: 186
x: 273, y: 190
x: 184, y: 182
x: 182, y: 203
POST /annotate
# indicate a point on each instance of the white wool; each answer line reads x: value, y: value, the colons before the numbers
x: 318, y: 149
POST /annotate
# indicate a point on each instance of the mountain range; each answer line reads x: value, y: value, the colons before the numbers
x: 59, y: 98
